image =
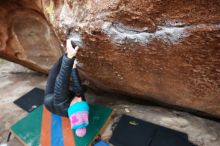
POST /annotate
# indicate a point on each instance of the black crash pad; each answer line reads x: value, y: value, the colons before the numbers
x: 131, y: 131
x: 31, y: 100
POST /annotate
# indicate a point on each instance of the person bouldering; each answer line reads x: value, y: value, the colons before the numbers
x: 66, y: 98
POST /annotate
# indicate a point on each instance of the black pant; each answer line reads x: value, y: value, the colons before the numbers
x: 57, y: 94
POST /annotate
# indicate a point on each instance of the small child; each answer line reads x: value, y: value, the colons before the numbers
x: 64, y: 98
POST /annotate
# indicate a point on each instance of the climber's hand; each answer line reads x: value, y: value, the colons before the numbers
x: 71, y: 52
x: 75, y: 63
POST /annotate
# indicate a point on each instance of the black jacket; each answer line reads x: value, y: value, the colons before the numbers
x: 64, y: 91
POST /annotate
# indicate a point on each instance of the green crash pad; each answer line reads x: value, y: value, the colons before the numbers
x: 28, y: 129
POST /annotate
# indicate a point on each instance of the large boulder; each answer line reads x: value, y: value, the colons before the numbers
x: 164, y: 50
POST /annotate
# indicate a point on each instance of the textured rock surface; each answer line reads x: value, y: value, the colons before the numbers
x: 167, y: 51
x: 25, y: 36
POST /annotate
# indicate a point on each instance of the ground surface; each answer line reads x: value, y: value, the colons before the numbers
x: 16, y: 81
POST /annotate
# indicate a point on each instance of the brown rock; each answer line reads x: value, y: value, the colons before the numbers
x: 168, y: 51
x: 26, y: 37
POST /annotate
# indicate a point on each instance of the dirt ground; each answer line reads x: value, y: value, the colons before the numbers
x: 16, y: 80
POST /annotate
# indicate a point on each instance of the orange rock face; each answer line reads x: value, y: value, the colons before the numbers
x: 168, y: 51
x: 26, y: 37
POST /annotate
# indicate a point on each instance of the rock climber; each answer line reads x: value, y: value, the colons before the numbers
x: 64, y: 97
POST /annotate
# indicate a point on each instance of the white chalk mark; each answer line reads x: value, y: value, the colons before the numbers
x: 173, y: 32
x: 66, y: 16
x: 173, y: 23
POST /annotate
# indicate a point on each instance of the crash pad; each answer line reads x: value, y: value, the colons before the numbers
x: 41, y: 127
x: 31, y: 100
x: 130, y: 131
